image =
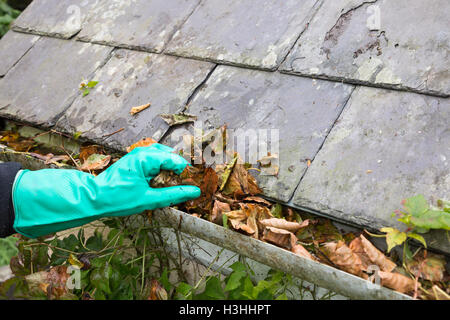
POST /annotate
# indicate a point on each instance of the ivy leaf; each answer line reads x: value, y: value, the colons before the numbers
x: 165, y: 280
x: 282, y: 297
x: 213, y: 289
x: 100, y: 278
x: 418, y: 237
x: 238, y: 267
x: 234, y: 280
x: 183, y: 289
x: 94, y: 243
x: 394, y: 237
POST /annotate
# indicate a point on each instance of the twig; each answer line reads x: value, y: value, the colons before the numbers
x: 110, y: 134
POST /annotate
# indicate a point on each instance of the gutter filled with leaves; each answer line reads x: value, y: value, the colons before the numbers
x: 232, y: 214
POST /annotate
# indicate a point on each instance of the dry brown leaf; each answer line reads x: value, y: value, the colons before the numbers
x: 357, y: 247
x: 87, y: 151
x: 269, y: 165
x: 240, y: 183
x: 283, y: 224
x: 22, y: 146
x: 180, y: 118
x: 57, y: 159
x: 376, y: 256
x: 222, y: 198
x: 279, y: 237
x: 432, y: 267
x: 298, y: 249
x: 165, y: 179
x: 396, y: 281
x: 258, y: 200
x: 253, y: 209
x: 96, y: 162
x: 157, y: 291
x: 253, y: 225
x: 236, y: 215
x: 138, y: 109
x: 238, y: 219
x: 146, y: 142
x: 343, y: 257
x: 208, y: 186
x: 247, y: 228
x: 217, y: 211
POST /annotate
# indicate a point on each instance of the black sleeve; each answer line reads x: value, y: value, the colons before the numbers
x: 8, y: 173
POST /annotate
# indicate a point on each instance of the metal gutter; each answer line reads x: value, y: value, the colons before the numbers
x: 320, y: 274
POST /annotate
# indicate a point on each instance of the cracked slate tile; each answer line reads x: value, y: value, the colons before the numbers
x: 408, y: 49
x: 59, y: 18
x: 402, y: 138
x: 302, y: 109
x: 252, y: 33
x: 47, y: 79
x: 131, y: 79
x: 137, y: 24
x: 13, y: 46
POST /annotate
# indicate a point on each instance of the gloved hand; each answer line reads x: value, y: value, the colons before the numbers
x: 51, y: 200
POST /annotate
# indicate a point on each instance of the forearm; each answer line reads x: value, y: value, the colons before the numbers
x: 8, y: 172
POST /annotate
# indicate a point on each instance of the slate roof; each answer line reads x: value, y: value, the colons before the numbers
x: 365, y: 99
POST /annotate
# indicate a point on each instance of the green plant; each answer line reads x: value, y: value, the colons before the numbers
x: 85, y: 87
x: 419, y: 217
x: 124, y: 258
x: 238, y: 285
x: 8, y: 249
x: 7, y: 15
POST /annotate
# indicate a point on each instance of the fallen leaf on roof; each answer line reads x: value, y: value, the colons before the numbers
x: 22, y: 146
x: 342, y: 256
x: 180, y: 118
x: 138, y: 109
x: 283, y: 224
x: 96, y: 162
x: 208, y: 187
x: 146, y: 142
x: 298, y: 249
x: 431, y: 267
x: 157, y: 291
x: 279, y: 237
x: 225, y: 171
x: 267, y: 161
x: 9, y: 136
x: 218, y: 209
x: 240, y: 183
x: 87, y: 151
x: 357, y: 247
x: 165, y: 179
x: 396, y: 281
x: 376, y: 256
x: 269, y: 165
x: 257, y: 200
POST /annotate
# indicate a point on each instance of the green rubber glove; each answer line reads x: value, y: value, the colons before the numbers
x: 51, y: 200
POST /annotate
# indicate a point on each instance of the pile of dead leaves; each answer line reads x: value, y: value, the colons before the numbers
x: 230, y: 197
